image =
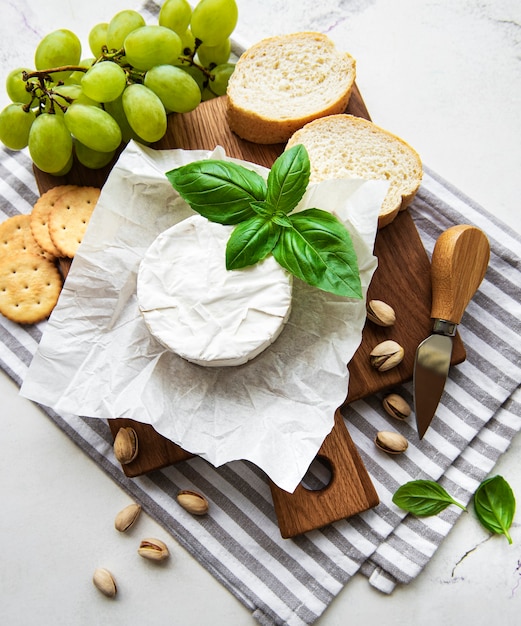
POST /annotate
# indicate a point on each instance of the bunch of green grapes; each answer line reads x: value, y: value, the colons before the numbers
x: 71, y: 107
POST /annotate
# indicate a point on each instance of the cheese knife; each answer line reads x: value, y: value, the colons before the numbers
x: 459, y: 262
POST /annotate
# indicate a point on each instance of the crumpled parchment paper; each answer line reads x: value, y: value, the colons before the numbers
x: 97, y: 358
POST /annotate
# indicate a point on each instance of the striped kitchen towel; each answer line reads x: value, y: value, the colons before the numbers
x: 292, y: 581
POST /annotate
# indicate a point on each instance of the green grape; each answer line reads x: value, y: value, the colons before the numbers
x: 145, y: 112
x: 121, y: 25
x: 93, y: 127
x: 195, y: 73
x: 115, y: 108
x: 15, y: 124
x: 213, y: 21
x: 65, y: 93
x: 76, y: 77
x: 98, y: 38
x: 207, y: 94
x: 175, y: 14
x: 83, y: 99
x: 72, y: 90
x: 66, y: 168
x: 92, y: 159
x: 214, y: 55
x: 104, y: 81
x: 61, y: 47
x: 188, y: 42
x: 15, y: 86
x: 176, y: 89
x: 50, y: 143
x: 220, y: 77
x: 152, y: 45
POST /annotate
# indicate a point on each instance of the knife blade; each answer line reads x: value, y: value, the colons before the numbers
x: 458, y: 266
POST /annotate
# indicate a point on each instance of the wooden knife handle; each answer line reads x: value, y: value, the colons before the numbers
x: 459, y: 263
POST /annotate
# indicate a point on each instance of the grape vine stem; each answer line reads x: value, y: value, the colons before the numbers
x: 45, y: 73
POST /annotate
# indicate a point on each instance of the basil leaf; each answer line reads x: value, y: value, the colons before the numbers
x: 495, y: 505
x: 263, y: 209
x: 282, y: 220
x: 423, y: 498
x: 318, y: 250
x: 288, y: 179
x: 221, y: 191
x: 250, y: 242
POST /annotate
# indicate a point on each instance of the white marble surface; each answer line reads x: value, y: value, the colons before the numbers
x: 446, y: 76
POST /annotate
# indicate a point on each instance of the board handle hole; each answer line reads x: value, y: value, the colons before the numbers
x: 319, y: 474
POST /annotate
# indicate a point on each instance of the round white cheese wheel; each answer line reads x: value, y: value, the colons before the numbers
x: 200, y: 310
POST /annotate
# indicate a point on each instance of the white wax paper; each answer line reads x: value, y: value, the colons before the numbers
x: 97, y: 359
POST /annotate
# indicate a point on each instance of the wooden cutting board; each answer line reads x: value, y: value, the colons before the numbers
x: 402, y: 280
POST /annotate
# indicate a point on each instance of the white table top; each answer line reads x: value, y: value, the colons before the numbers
x: 445, y: 76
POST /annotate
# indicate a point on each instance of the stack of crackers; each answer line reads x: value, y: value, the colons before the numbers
x: 30, y: 245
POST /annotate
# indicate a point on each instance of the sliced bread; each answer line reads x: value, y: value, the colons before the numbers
x: 283, y: 82
x: 345, y: 146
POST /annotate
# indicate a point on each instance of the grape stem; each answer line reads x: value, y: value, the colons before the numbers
x: 45, y: 90
x: 135, y: 76
x: 189, y: 58
x: 46, y: 74
x: 110, y: 55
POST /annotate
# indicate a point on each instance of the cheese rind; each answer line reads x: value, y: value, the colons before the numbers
x: 200, y: 310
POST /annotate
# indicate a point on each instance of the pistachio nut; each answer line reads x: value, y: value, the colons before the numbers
x: 380, y: 313
x: 193, y: 502
x: 104, y: 581
x: 127, y: 517
x: 391, y: 442
x: 153, y: 549
x: 126, y: 445
x: 396, y: 406
x: 386, y: 355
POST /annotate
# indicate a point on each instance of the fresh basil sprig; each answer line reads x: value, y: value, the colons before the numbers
x: 423, y: 498
x: 312, y: 244
x: 495, y: 505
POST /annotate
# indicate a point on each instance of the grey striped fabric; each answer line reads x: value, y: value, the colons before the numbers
x: 293, y: 581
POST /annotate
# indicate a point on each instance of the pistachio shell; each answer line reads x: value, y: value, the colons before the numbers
x: 153, y: 549
x: 127, y: 517
x: 391, y: 442
x: 126, y: 445
x: 104, y: 581
x: 193, y: 502
x: 386, y: 355
x: 381, y: 313
x: 396, y: 406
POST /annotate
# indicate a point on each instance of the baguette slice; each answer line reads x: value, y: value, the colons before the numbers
x: 284, y: 82
x: 345, y: 146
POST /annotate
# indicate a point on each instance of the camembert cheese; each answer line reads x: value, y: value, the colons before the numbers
x: 200, y: 310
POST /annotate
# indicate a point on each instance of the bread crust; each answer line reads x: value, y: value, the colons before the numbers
x: 281, y: 62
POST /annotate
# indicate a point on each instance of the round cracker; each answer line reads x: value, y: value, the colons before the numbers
x: 16, y: 236
x: 69, y: 218
x: 40, y: 217
x: 29, y: 287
